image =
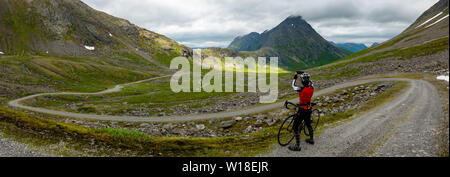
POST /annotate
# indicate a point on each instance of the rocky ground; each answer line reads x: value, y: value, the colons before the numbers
x: 436, y: 64
x: 209, y: 105
x: 402, y: 127
x: 350, y: 98
x: 10, y: 148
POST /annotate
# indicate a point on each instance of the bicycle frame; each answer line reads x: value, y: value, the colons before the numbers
x: 302, y: 125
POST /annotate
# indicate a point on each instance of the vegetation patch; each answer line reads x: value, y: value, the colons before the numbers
x: 425, y: 49
x: 133, y: 143
x: 148, y: 98
x: 36, y: 74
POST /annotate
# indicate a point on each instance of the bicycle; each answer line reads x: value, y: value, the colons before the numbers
x: 286, y: 132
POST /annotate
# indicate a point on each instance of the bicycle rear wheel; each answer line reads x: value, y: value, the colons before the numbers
x: 315, y: 119
x: 286, y: 132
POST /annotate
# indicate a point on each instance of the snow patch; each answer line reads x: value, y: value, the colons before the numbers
x: 89, y: 47
x: 442, y: 77
x: 429, y: 20
x: 437, y: 21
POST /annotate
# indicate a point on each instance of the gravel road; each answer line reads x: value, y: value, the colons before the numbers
x: 9, y: 148
x: 244, y: 111
x: 406, y: 126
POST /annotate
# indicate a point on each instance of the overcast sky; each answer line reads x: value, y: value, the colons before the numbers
x: 215, y: 23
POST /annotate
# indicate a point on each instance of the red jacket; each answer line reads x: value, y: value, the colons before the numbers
x: 305, y: 94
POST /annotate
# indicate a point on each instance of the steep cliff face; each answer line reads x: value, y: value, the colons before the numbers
x: 72, y: 28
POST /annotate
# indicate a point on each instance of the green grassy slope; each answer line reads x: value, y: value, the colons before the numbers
x: 26, y: 75
x: 422, y: 38
x: 64, y: 28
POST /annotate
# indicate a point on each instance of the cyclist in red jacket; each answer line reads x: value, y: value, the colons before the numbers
x: 304, y: 112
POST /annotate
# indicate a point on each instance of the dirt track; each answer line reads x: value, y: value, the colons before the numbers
x: 244, y: 111
x: 405, y: 126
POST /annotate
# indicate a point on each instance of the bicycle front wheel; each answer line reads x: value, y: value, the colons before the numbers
x: 286, y: 132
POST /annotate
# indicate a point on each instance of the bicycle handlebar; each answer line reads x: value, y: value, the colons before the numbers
x: 287, y: 103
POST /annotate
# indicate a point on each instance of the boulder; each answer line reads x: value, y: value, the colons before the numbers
x: 259, y: 123
x: 336, y: 99
x: 248, y: 130
x: 357, y: 98
x: 270, y: 122
x: 200, y: 127
x: 227, y: 124
x: 168, y: 126
x: 381, y: 86
x: 144, y: 125
x: 211, y: 122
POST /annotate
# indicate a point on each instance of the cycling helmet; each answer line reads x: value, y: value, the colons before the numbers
x: 305, y: 78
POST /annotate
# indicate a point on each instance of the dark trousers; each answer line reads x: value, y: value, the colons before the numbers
x: 303, y: 114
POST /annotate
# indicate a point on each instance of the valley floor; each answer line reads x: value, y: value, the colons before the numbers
x: 255, y: 134
x: 386, y: 126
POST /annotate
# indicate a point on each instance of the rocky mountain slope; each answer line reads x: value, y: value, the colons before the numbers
x: 294, y: 41
x: 422, y: 47
x: 431, y: 25
x: 353, y: 47
x: 374, y: 44
x: 65, y: 45
x: 71, y: 28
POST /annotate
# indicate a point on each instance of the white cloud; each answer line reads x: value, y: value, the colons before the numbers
x: 204, y: 23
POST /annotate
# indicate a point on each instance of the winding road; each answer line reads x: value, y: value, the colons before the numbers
x: 405, y: 126
x: 245, y: 111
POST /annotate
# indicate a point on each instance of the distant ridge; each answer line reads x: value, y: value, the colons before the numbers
x: 353, y: 47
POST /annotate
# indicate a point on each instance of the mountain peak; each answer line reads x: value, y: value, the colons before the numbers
x: 294, y: 19
x: 374, y: 44
x: 294, y: 41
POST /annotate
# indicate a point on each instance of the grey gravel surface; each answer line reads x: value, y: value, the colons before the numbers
x: 406, y: 126
x: 10, y: 148
x: 244, y: 111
